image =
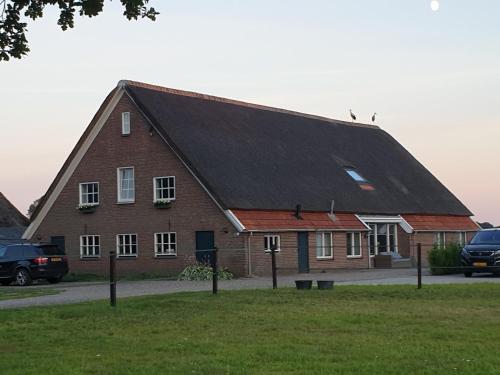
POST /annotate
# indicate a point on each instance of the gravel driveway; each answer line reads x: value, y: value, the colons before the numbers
x: 72, y: 292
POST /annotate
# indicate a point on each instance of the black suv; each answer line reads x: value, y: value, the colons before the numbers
x: 27, y: 262
x: 482, y: 254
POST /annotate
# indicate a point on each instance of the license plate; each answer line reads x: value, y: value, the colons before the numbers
x: 480, y: 264
x: 59, y: 259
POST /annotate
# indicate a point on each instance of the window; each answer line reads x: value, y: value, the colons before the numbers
x: 126, y: 185
x: 270, y: 242
x: 90, y: 246
x: 89, y: 193
x: 382, y: 238
x: 355, y: 175
x: 353, y: 245
x: 324, y: 245
x: 440, y: 239
x: 164, y: 188
x: 125, y: 123
x: 126, y: 245
x: 462, y: 238
x: 165, y: 244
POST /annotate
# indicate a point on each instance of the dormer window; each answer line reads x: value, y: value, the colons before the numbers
x: 125, y: 123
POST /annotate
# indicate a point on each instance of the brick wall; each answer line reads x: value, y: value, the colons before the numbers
x: 193, y: 210
x: 287, y: 258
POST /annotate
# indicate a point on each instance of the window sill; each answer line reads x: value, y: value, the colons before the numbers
x: 126, y: 202
x: 89, y: 258
x: 354, y: 257
x: 165, y: 256
x: 324, y: 258
x: 126, y: 257
x: 275, y: 251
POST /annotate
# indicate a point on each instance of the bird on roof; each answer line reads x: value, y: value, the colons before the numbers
x: 353, y: 116
x: 374, y: 117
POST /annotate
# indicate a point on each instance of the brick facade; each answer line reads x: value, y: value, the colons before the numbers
x: 193, y: 210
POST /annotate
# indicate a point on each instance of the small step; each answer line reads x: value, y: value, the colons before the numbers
x: 402, y: 263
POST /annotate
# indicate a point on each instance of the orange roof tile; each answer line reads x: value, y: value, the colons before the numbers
x: 441, y: 223
x: 263, y: 220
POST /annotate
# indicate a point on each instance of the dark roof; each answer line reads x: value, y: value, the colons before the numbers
x: 255, y: 157
x: 10, y: 215
x: 11, y: 235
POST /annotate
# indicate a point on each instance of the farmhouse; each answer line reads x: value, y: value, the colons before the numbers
x: 160, y: 175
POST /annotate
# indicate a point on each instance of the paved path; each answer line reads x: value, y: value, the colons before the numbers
x: 72, y: 292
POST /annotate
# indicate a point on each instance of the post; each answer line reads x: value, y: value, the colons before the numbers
x: 273, y: 265
x: 214, y: 271
x: 419, y: 265
x: 112, y: 278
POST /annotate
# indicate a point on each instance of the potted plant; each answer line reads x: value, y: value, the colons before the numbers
x: 303, y: 284
x: 162, y: 203
x: 87, y: 208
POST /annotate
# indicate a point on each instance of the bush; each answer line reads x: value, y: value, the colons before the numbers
x: 200, y: 272
x: 448, y: 256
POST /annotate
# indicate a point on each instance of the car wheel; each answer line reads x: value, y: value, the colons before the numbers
x: 468, y: 274
x: 5, y: 282
x: 23, y: 277
x: 54, y: 280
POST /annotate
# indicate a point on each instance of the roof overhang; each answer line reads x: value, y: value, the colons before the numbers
x: 383, y: 219
x: 286, y: 221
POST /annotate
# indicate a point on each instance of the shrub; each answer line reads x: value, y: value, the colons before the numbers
x: 448, y: 256
x: 200, y: 272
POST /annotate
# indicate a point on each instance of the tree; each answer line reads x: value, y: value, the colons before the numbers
x: 33, y: 206
x: 13, y: 42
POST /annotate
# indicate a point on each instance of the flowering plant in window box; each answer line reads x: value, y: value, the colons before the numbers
x: 86, y: 208
x: 163, y: 203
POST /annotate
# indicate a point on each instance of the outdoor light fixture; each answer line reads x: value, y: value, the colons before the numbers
x: 435, y: 5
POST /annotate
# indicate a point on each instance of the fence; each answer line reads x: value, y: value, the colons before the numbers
x: 273, y: 266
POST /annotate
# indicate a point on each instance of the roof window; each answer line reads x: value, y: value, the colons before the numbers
x: 356, y: 176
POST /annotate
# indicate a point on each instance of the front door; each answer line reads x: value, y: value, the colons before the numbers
x: 59, y: 242
x: 303, y: 251
x: 204, y: 243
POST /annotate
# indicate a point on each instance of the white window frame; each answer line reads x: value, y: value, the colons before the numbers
x: 167, y: 243
x: 155, y: 195
x: 126, y: 123
x: 130, y: 245
x: 93, y: 247
x: 321, y: 245
x: 373, y: 238
x: 268, y: 239
x: 119, y: 182
x: 352, y: 248
x: 462, y: 238
x: 440, y: 240
x: 80, y: 185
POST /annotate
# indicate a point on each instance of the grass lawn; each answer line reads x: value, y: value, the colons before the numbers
x: 445, y: 329
x: 19, y: 292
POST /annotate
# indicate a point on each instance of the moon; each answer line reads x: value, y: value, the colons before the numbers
x: 435, y: 5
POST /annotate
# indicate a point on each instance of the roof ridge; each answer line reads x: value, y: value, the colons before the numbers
x: 192, y: 94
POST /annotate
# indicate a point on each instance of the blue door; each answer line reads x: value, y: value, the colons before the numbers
x: 303, y: 251
x: 204, y: 243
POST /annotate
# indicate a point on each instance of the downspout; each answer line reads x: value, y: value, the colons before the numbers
x: 249, y: 254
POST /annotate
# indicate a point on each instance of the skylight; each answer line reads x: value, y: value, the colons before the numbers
x: 356, y: 176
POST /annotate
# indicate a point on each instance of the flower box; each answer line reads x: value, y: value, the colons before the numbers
x: 87, y: 208
x: 162, y: 203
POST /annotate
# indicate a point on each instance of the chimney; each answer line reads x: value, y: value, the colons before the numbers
x: 298, y: 208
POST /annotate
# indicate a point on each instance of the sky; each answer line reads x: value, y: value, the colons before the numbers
x: 432, y: 77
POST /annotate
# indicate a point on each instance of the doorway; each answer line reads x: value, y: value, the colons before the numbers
x: 204, y: 242
x: 303, y: 251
